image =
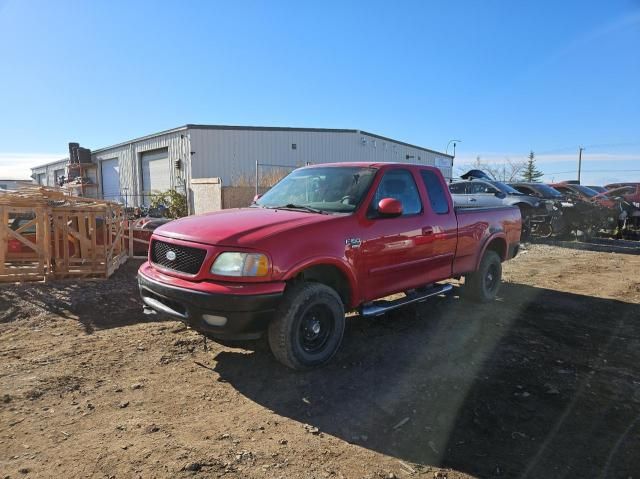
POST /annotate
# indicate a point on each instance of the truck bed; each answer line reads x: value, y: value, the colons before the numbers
x: 476, y: 225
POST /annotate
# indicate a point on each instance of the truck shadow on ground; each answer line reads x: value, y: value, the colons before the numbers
x: 94, y: 303
x: 540, y: 383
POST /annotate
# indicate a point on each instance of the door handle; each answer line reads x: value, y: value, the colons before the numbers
x: 427, y: 230
x: 472, y: 199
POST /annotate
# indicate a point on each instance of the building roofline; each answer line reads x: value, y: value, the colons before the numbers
x: 194, y: 126
x: 50, y: 163
x: 268, y: 128
x: 142, y: 138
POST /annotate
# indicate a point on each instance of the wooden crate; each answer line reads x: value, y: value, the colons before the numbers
x: 33, y: 263
x: 131, y: 241
x: 62, y: 236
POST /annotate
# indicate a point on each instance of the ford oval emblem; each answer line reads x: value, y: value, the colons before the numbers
x: 171, y: 255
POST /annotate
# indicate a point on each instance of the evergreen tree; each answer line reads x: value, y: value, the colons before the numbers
x: 531, y: 173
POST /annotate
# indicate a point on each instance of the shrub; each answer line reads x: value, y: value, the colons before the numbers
x: 172, y: 203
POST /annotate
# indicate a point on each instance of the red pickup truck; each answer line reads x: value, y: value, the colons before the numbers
x: 326, y: 239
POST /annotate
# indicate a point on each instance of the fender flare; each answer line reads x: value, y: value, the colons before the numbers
x: 342, y: 265
x: 497, y: 235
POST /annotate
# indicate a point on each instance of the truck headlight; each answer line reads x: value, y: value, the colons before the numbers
x: 240, y: 264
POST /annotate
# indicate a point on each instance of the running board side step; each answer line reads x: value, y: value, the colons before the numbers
x: 378, y: 308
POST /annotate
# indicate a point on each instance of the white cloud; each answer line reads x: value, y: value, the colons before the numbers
x: 18, y: 165
x: 499, y: 158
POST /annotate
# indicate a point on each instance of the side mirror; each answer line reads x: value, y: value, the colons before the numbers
x: 500, y: 194
x: 257, y: 197
x: 389, y: 207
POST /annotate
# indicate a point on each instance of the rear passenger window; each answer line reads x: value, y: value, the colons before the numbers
x: 457, y: 188
x: 478, y: 187
x: 435, y: 191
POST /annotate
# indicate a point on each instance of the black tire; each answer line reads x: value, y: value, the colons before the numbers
x: 483, y: 285
x: 308, y: 326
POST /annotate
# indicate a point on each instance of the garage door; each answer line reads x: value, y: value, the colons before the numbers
x: 156, y: 172
x: 111, y: 180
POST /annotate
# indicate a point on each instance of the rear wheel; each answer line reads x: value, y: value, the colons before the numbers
x: 308, y: 326
x: 483, y: 285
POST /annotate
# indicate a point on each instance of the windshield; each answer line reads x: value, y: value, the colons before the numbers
x: 548, y: 191
x: 585, y: 190
x: 333, y: 189
x: 506, y: 188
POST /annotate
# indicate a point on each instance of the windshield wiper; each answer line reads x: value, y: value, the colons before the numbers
x: 292, y: 206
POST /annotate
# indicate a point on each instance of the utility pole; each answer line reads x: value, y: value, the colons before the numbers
x: 579, y: 162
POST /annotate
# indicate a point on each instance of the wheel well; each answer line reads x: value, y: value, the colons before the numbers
x: 499, y: 246
x: 328, y: 275
x: 523, y: 206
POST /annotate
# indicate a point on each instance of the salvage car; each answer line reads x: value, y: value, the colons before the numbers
x: 538, y: 190
x: 583, y: 193
x: 556, y: 220
x: 593, y: 213
x: 324, y: 240
x: 632, y: 195
x: 483, y: 192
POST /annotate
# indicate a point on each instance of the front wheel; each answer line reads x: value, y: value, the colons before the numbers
x: 308, y: 326
x: 483, y: 285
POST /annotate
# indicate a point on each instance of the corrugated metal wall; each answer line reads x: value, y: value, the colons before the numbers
x: 231, y: 154
x: 48, y: 171
x: 129, y: 155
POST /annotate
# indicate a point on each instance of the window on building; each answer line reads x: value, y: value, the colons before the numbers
x: 435, y: 191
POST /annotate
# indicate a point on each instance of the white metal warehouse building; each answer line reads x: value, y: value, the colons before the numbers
x: 192, y: 156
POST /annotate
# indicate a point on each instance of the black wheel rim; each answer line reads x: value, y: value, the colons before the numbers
x: 492, y: 277
x: 316, y: 327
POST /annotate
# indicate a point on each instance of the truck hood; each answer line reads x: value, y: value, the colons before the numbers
x: 239, y: 227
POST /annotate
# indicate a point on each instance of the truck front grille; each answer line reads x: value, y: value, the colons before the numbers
x: 184, y: 259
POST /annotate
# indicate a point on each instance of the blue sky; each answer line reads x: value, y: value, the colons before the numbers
x: 504, y: 77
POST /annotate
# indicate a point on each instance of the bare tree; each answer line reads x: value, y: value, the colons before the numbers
x: 509, y: 170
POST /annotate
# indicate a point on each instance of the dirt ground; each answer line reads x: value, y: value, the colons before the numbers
x: 542, y: 383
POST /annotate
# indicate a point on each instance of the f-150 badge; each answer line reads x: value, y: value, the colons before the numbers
x: 353, y: 242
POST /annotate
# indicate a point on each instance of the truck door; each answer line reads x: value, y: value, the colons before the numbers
x: 393, y: 250
x: 440, y: 229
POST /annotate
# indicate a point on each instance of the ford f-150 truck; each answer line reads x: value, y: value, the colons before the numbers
x: 324, y: 240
